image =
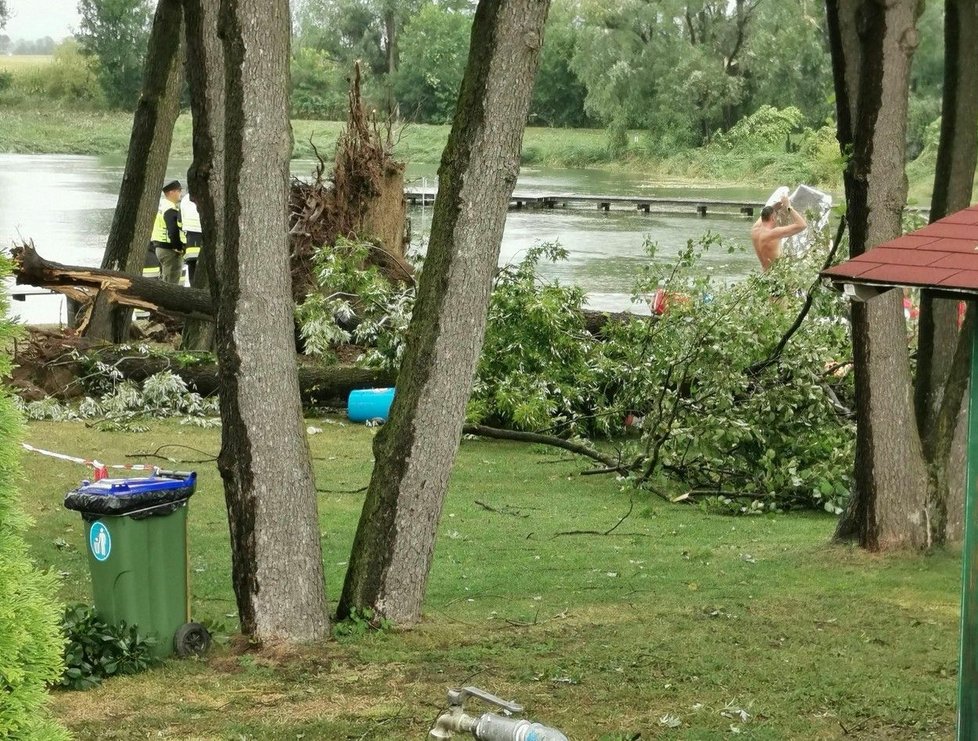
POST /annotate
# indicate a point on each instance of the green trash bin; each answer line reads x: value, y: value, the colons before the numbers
x: 136, y: 536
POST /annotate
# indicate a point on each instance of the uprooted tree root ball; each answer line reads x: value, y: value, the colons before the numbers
x: 363, y: 198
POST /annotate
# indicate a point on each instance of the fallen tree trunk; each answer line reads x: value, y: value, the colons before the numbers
x: 49, y: 364
x: 82, y: 284
x: 318, y: 385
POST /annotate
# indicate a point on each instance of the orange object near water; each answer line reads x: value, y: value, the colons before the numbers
x: 661, y: 298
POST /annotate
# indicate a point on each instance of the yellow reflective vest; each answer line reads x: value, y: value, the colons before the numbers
x: 160, y: 233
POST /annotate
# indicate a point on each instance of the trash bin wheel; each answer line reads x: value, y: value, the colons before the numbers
x: 191, y: 639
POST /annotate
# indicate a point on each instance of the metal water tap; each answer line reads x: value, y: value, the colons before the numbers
x: 489, y: 726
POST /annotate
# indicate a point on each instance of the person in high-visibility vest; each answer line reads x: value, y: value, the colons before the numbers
x: 192, y: 233
x: 167, y: 242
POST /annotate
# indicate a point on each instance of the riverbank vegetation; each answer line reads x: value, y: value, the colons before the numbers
x: 733, y: 100
x: 675, y: 622
x: 812, y: 156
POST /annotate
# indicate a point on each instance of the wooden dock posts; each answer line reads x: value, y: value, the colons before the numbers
x: 607, y: 203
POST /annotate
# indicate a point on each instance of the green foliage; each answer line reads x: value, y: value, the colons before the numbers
x: 434, y: 49
x: 790, y: 64
x: 927, y: 70
x: 43, y: 46
x: 712, y: 422
x: 360, y: 623
x: 820, y: 149
x: 766, y: 128
x: 116, y: 34
x: 716, y: 418
x: 121, y: 404
x: 30, y: 644
x: 558, y: 94
x: 715, y: 421
x: 319, y: 88
x: 538, y: 363
x: 68, y: 80
x: 353, y: 292
x: 95, y: 650
x: 922, y: 112
x: 684, y: 74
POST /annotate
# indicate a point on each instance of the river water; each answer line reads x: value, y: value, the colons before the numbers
x: 65, y: 204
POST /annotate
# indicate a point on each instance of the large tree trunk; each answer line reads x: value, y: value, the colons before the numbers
x: 872, y: 45
x: 271, y: 496
x: 149, y: 152
x: 416, y: 449
x: 205, y: 77
x: 941, y: 383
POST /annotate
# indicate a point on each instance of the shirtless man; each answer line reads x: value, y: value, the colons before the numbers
x: 767, y: 235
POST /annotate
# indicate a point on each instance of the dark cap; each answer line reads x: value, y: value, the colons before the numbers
x: 172, y: 185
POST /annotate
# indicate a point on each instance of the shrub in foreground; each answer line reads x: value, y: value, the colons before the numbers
x: 30, y: 641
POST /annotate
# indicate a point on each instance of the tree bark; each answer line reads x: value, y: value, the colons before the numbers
x: 872, y: 45
x: 149, y: 152
x: 941, y: 383
x: 205, y: 77
x: 264, y: 461
x: 416, y: 449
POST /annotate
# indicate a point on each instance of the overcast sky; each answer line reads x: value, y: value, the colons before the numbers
x: 35, y: 19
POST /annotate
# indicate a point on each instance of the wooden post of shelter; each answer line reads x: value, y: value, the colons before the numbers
x: 942, y: 257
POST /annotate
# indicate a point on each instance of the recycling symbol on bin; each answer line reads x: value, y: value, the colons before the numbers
x: 100, y: 541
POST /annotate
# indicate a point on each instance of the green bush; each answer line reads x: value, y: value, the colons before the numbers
x: 96, y: 650
x: 766, y: 437
x: 766, y: 128
x: 716, y: 420
x: 30, y: 642
x: 537, y: 368
x: 319, y: 86
x: 69, y: 80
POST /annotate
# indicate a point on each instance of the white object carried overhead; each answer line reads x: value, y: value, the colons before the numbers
x: 777, y: 195
x: 813, y: 204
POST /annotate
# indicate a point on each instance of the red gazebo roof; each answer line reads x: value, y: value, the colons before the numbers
x: 942, y: 255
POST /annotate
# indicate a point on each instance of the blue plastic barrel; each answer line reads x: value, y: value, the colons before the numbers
x: 367, y: 404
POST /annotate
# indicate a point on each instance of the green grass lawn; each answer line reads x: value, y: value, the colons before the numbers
x: 677, y: 614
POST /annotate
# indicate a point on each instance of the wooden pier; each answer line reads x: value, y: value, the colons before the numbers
x: 646, y: 204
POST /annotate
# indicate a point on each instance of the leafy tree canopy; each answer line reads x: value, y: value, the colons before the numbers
x: 690, y: 69
x: 116, y: 33
x: 436, y: 43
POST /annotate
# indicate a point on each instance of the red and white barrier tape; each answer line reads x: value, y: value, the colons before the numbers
x: 101, y: 470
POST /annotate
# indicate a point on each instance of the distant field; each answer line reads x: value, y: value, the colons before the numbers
x: 24, y: 61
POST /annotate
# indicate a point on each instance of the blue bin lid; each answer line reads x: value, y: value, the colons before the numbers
x: 135, y: 486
